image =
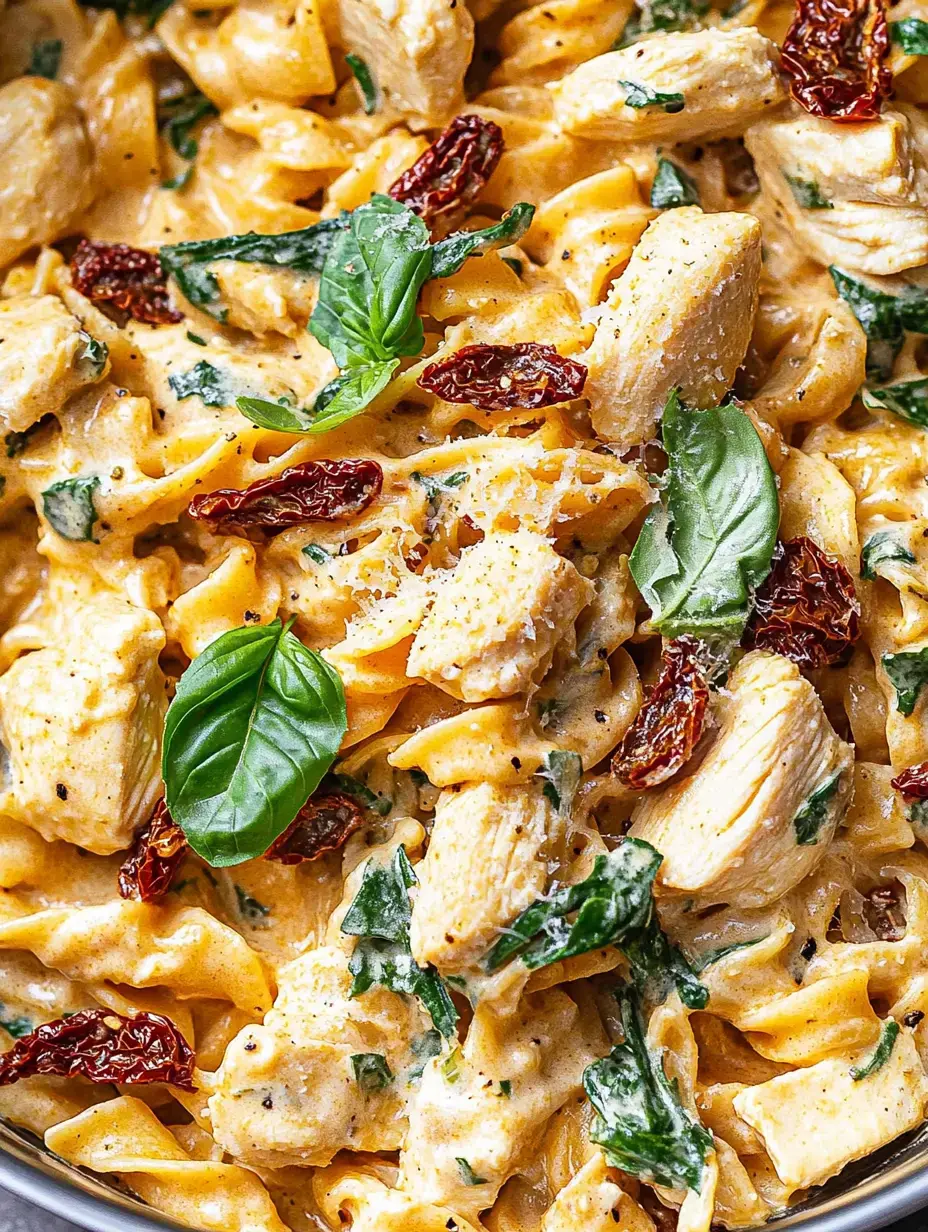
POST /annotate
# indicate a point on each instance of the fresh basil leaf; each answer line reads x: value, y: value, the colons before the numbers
x: 889, y: 1033
x: 661, y: 15
x: 359, y: 791
x: 911, y: 34
x: 879, y: 318
x: 638, y: 96
x: 561, y: 771
x: 69, y: 507
x: 370, y: 95
x: 813, y: 812
x: 276, y: 416
x: 907, y: 399
x: 46, y: 59
x: 659, y: 966
x: 195, y: 338
x: 92, y: 358
x: 807, y: 193
x: 714, y: 956
x: 249, y: 908
x: 468, y: 1175
x: 882, y: 546
x: 371, y: 1071
x: 709, y: 542
x: 672, y: 187
x: 317, y: 553
x: 255, y: 723
x: 908, y: 673
x: 449, y: 254
x: 423, y: 1048
x: 212, y: 386
x: 612, y: 902
x: 437, y: 486
x: 381, y: 906
x: 640, y: 1123
x: 350, y: 394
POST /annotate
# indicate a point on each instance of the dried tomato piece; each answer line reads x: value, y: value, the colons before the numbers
x: 321, y: 491
x: 324, y: 823
x: 913, y: 781
x: 807, y: 609
x: 158, y: 849
x: 884, y: 910
x: 835, y: 58
x: 497, y: 378
x: 451, y: 174
x: 667, y: 728
x: 104, y: 1047
x: 129, y: 279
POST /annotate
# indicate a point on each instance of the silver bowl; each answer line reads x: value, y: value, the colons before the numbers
x: 867, y: 1196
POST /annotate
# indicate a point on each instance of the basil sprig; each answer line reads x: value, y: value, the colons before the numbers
x: 709, y: 542
x: 255, y: 723
x: 883, y: 318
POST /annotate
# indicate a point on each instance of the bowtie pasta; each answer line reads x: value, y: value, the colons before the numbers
x: 464, y: 635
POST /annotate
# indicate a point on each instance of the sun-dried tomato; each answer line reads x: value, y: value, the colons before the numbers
x: 497, y: 378
x: 320, y: 491
x: 158, y: 849
x: 324, y: 823
x: 667, y: 728
x: 913, y: 781
x: 835, y: 57
x: 884, y: 910
x: 129, y: 279
x: 104, y: 1047
x: 807, y: 608
x: 444, y: 181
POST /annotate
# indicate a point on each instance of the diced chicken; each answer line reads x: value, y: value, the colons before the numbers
x: 853, y: 195
x: 776, y: 773
x: 47, y: 164
x: 81, y: 722
x: 592, y: 1201
x: 680, y: 316
x: 45, y: 357
x: 497, y: 617
x: 417, y: 51
x: 286, y: 1091
x: 487, y: 860
x: 459, y: 1112
x: 796, y: 1114
x: 727, y: 79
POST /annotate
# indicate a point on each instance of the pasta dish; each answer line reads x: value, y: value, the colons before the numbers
x: 464, y: 629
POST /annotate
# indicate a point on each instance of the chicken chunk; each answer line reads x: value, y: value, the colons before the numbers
x: 680, y: 316
x: 81, y: 722
x: 758, y: 814
x: 286, y: 1090
x: 487, y: 860
x: 593, y: 1201
x: 853, y: 195
x: 672, y: 87
x: 417, y: 50
x: 45, y: 357
x: 47, y: 164
x: 497, y: 617
x: 795, y: 1114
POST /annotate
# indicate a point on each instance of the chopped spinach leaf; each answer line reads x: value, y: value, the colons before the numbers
x: 561, y: 771
x: 177, y: 116
x: 672, y: 187
x: 17, y: 1027
x: 639, y: 96
x: 211, y: 385
x: 46, y: 59
x: 93, y: 356
x: 249, y: 908
x: 654, y: 15
x: 370, y: 95
x: 152, y: 9
x: 505, y: 1088
x: 371, y: 1071
x: 15, y: 442
x: 907, y: 399
x: 423, y: 1048
x: 813, y: 812
x: 449, y: 254
x: 889, y: 1033
x: 908, y: 672
x: 195, y: 338
x: 807, y: 193
x: 657, y: 966
x: 69, y: 507
x: 911, y: 34
x: 468, y: 1175
x: 883, y: 546
x: 359, y: 791
x: 883, y: 318
x: 317, y: 553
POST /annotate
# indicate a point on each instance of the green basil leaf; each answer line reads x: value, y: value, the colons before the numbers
x: 638, y: 96
x: 640, y: 1122
x: 813, y: 812
x: 370, y: 95
x: 709, y: 542
x: 46, y: 59
x: 350, y: 394
x: 612, y: 902
x: 908, y: 673
x: 907, y: 399
x: 659, y: 966
x: 661, y: 15
x: 316, y: 553
x: 672, y: 187
x: 381, y: 906
x: 69, y: 506
x: 807, y: 193
x: 561, y: 771
x: 882, y: 546
x: 879, y: 318
x: 92, y: 358
x: 449, y: 254
x: 423, y: 1048
x: 359, y: 791
x: 275, y: 415
x: 911, y: 34
x: 212, y: 386
x: 256, y: 722
x: 889, y: 1033
x: 371, y: 1071
x: 468, y: 1175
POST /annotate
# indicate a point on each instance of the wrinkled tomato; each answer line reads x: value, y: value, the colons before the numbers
x: 324, y: 823
x: 913, y: 781
x: 498, y: 378
x: 835, y: 58
x: 667, y: 728
x: 128, y: 279
x: 156, y: 854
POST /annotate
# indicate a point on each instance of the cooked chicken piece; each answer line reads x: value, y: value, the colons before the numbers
x: 758, y: 814
x: 853, y: 195
x: 707, y: 81
x: 459, y: 1113
x: 487, y: 861
x: 47, y: 163
x: 81, y: 721
x: 593, y: 1202
x: 796, y: 1114
x: 497, y: 617
x: 417, y: 51
x: 680, y: 317
x: 45, y: 357
x: 287, y: 1093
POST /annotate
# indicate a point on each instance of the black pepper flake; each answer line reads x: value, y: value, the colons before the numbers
x: 516, y: 763
x: 267, y: 1102
x: 599, y: 716
x: 913, y: 1018
x: 250, y: 1046
x: 808, y: 950
x: 61, y: 791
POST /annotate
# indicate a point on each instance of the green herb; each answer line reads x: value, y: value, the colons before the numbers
x: 359, y: 791
x: 436, y: 487
x: 661, y: 15
x: 423, y: 1048
x: 449, y: 254
x: 17, y: 1027
x: 639, y: 96
x: 549, y: 711
x: 709, y: 543
x: 916, y: 811
x: 640, y: 1122
x: 612, y: 902
x: 379, y: 916
x: 468, y: 1175
x: 371, y: 1071
x: 514, y: 264
x: 152, y: 9
x: 249, y: 907
x: 561, y: 771
x: 16, y: 442
x: 366, y: 84
x: 807, y: 193
x: 889, y: 1033
x: 176, y: 118
x: 882, y: 547
x: 255, y: 723
x: 505, y: 1088
x: 317, y: 553
x: 278, y: 416
x: 883, y: 318
x: 813, y: 813
x: 657, y: 966
x: 211, y: 385
x: 93, y: 355
x: 911, y: 34
x: 46, y: 59
x: 907, y: 399
x: 672, y: 187
x: 908, y: 672
x: 714, y: 956
x: 69, y: 507
x: 196, y: 339
x: 451, y: 1066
